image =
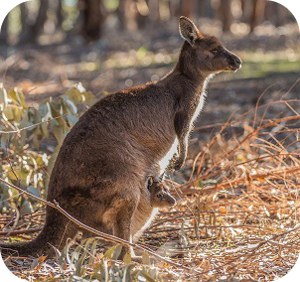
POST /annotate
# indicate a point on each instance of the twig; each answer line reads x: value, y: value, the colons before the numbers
x: 203, y: 226
x: 30, y: 126
x: 21, y: 231
x: 258, y: 100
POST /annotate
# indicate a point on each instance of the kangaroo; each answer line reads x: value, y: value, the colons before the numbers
x: 160, y: 196
x: 99, y: 174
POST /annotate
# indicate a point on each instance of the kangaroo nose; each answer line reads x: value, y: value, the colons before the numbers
x: 235, y: 62
x: 238, y: 60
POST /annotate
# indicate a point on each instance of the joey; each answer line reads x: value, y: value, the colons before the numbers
x: 160, y: 196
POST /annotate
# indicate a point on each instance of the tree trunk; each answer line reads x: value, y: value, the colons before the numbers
x: 203, y: 8
x: 247, y: 7
x: 186, y: 8
x: 209, y: 10
x: 283, y: 15
x: 226, y: 15
x: 154, y: 11
x: 24, y: 36
x: 24, y: 15
x: 276, y: 13
x: 4, y: 31
x: 174, y: 6
x: 93, y: 19
x: 142, y: 13
x: 127, y: 13
x: 258, y: 13
x: 59, y: 15
x: 38, y: 26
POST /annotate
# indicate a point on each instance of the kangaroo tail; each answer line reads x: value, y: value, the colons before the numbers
x: 36, y: 247
x: 55, y: 233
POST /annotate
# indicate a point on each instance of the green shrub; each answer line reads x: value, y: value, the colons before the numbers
x: 23, y: 128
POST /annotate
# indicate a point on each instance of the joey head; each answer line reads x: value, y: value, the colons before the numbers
x: 160, y: 196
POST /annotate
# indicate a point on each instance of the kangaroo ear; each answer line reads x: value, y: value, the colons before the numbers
x: 188, y: 30
x: 149, y: 182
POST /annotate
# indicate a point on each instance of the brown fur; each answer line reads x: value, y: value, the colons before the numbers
x: 100, y: 172
x: 160, y: 196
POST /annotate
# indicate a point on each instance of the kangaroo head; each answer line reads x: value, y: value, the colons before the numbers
x: 204, y: 54
x: 159, y: 194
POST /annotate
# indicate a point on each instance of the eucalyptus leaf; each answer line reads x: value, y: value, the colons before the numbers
x: 146, y: 259
x: 18, y: 97
x: 4, y: 140
x: 72, y: 119
x: 127, y: 258
x: 90, y: 98
x: 3, y: 96
x: 26, y: 208
x: 44, y: 129
x: 8, y: 113
x: 25, y: 120
x: 74, y: 95
x: 33, y: 190
x: 147, y: 276
x: 117, y: 252
x: 70, y: 104
x: 18, y: 114
x: 113, y: 252
x: 36, y: 141
x: 59, y: 134
x: 57, y: 114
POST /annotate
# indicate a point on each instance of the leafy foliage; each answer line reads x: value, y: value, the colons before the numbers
x: 23, y: 129
x: 84, y: 261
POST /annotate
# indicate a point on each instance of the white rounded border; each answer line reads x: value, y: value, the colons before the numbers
x: 7, y: 6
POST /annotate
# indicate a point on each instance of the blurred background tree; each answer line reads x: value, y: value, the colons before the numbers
x: 87, y: 18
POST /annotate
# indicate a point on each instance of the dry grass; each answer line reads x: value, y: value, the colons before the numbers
x: 237, y: 216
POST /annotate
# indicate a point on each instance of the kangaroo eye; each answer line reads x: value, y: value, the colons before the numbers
x: 159, y: 195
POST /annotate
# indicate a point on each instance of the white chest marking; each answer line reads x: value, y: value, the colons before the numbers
x: 202, y: 98
x: 164, y: 162
x: 199, y: 107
